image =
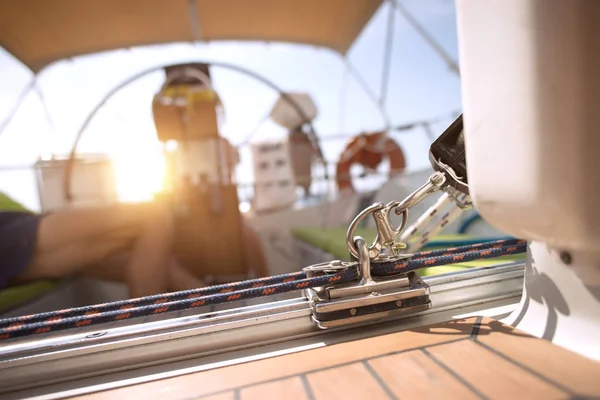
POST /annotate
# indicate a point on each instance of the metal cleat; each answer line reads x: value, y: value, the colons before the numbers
x: 368, y: 299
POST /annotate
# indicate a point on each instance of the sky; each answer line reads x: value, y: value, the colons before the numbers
x: 421, y: 86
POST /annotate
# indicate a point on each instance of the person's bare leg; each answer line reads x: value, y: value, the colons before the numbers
x: 148, y: 270
x: 93, y: 242
x: 182, y: 279
x: 70, y: 259
x: 64, y: 228
x: 71, y: 241
x: 114, y: 269
x: 151, y: 267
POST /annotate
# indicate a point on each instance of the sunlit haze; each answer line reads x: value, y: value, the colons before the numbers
x: 421, y: 86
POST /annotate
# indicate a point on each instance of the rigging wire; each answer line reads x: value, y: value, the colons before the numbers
x: 427, y: 37
x: 342, y: 101
x: 365, y: 86
x: 47, y: 114
x: 426, y: 124
x: 397, y: 128
x: 254, y: 131
x: 387, y: 56
x: 4, y: 124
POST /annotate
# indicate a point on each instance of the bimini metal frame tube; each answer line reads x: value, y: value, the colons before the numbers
x: 35, y: 364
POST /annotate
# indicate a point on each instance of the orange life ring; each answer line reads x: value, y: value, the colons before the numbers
x: 368, y: 150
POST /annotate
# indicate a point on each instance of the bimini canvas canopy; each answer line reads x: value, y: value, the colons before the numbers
x: 39, y: 32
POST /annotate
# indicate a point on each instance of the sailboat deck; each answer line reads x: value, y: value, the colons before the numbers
x: 468, y: 358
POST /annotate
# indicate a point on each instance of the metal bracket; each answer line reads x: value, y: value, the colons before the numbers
x: 388, y: 299
x: 368, y: 299
x: 386, y: 233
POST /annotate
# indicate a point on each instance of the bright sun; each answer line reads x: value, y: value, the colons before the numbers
x: 139, y: 175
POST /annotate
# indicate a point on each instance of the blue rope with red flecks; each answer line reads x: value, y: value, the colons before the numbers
x: 226, y: 293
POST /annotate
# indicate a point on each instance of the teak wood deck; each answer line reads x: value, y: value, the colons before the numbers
x: 463, y: 359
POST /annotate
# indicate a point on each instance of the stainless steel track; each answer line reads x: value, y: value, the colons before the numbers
x: 29, y: 364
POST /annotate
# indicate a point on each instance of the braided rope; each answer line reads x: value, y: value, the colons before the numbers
x: 178, y: 301
x: 426, y: 236
x: 425, y: 218
x: 156, y: 299
x: 417, y: 235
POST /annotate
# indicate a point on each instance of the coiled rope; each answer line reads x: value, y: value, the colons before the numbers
x: 250, y: 289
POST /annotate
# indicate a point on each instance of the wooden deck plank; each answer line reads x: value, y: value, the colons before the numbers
x: 288, y: 389
x: 580, y: 374
x: 459, y: 359
x: 414, y: 375
x: 352, y: 381
x: 220, y: 396
x: 227, y: 378
x: 493, y: 376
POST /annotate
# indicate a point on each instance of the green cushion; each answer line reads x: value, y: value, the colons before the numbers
x: 15, y: 295
x: 8, y: 204
x: 333, y: 241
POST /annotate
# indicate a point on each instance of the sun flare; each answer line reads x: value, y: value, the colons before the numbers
x: 139, y: 175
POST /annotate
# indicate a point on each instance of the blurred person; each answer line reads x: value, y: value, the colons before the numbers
x: 131, y: 243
